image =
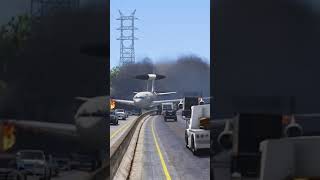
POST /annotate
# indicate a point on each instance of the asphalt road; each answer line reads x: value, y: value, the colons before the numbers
x: 117, y: 130
x: 165, y: 155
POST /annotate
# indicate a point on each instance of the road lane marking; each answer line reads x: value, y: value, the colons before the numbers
x: 163, y: 164
x: 119, y: 130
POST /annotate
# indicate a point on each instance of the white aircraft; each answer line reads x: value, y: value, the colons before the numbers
x: 147, y: 99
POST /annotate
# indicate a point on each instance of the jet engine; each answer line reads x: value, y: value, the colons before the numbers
x: 225, y: 138
x: 293, y: 129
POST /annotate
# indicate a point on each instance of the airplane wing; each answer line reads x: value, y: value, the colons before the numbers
x: 46, y: 127
x: 156, y: 103
x: 166, y: 93
x: 127, y: 102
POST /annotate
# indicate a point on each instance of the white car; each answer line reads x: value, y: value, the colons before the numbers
x: 120, y: 113
x: 33, y: 162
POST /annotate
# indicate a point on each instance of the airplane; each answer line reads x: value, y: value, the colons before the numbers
x: 90, y: 120
x: 147, y: 99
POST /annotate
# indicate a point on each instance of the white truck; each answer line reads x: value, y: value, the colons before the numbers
x: 197, y: 133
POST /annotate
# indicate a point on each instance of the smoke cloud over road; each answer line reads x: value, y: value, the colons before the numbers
x: 185, y: 75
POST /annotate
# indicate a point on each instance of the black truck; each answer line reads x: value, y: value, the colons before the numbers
x: 187, y: 103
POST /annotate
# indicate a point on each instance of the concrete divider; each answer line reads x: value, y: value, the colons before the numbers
x: 117, y: 151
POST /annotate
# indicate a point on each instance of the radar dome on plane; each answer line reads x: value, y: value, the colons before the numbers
x: 150, y: 77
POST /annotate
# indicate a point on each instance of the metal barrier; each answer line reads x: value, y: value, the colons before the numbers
x: 108, y: 170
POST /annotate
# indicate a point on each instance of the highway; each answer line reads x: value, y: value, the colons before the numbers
x: 66, y: 175
x: 117, y: 130
x: 162, y: 154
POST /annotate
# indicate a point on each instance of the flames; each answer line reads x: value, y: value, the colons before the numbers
x: 112, y: 104
x: 286, y: 119
x: 7, y: 136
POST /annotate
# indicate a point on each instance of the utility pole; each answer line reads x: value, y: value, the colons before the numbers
x: 127, y: 54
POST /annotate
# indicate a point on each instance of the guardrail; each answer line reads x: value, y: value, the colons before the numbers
x: 117, y: 152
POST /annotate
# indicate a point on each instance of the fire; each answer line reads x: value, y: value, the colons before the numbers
x: 8, y: 136
x: 112, y: 104
x: 286, y: 119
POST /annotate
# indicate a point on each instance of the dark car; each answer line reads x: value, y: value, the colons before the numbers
x: 168, y: 112
x: 53, y: 165
x: 113, y: 118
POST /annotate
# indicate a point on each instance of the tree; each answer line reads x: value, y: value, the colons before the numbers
x: 12, y: 37
x: 114, y: 72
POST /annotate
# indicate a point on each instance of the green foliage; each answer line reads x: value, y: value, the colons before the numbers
x: 114, y: 72
x: 12, y: 36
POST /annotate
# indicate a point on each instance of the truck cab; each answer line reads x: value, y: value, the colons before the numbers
x: 168, y: 111
x: 197, y: 133
x: 187, y: 103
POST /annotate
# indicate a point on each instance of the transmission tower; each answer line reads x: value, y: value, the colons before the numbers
x: 39, y: 8
x: 127, y: 38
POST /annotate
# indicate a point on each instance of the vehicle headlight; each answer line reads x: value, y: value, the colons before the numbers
x: 201, y: 135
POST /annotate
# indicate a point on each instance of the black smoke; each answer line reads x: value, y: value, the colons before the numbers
x: 184, y: 75
x: 51, y: 70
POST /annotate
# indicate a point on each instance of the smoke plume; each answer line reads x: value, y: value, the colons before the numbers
x: 185, y: 75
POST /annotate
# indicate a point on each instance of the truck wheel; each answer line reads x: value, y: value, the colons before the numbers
x: 193, y: 148
x: 165, y: 119
x: 175, y: 119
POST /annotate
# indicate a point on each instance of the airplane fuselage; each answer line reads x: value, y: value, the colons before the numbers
x: 144, y: 100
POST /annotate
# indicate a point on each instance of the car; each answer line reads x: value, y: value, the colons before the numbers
x: 135, y: 113
x: 129, y: 113
x: 120, y: 113
x: 113, y: 118
x: 53, y: 166
x: 64, y: 164
x: 168, y: 112
x: 33, y: 162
